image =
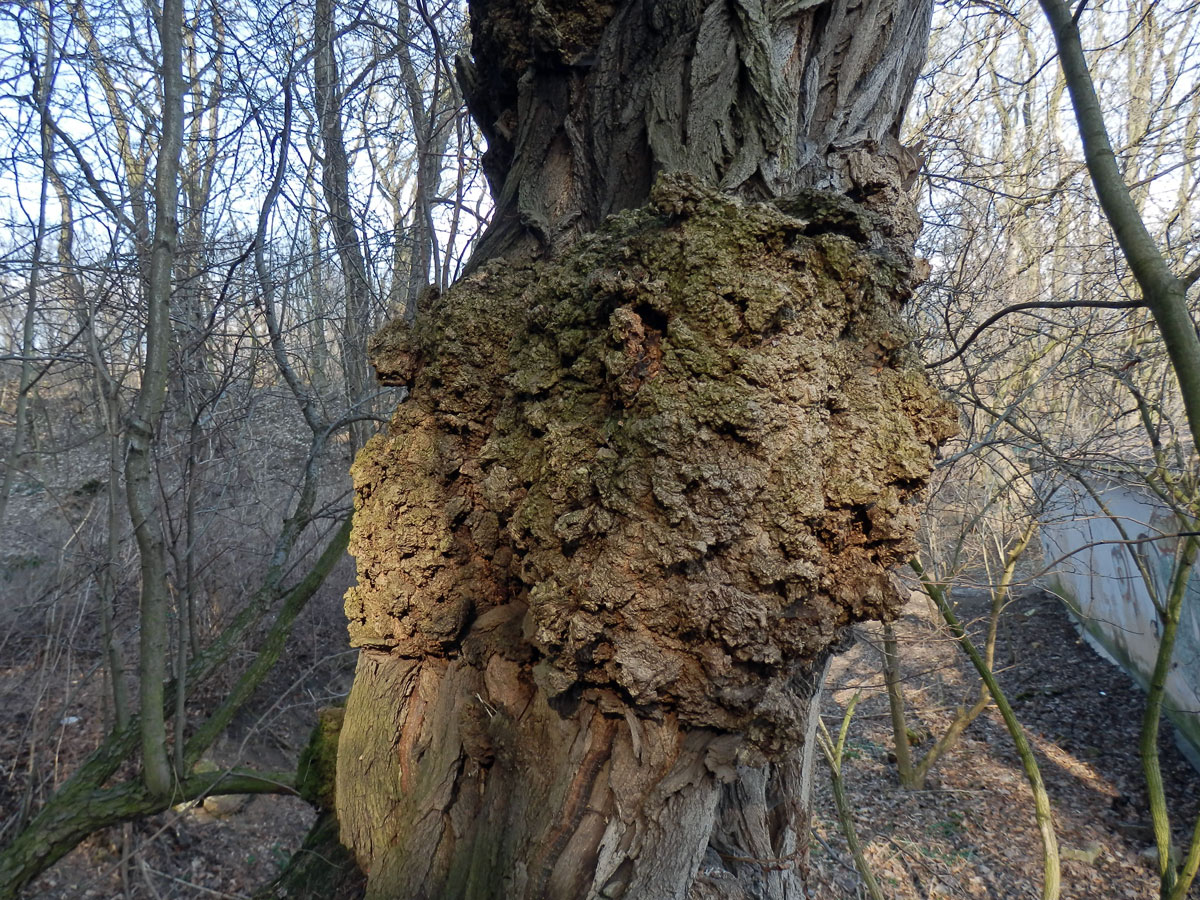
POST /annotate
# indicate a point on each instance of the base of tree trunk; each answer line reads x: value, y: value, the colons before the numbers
x: 504, y: 796
x: 322, y: 869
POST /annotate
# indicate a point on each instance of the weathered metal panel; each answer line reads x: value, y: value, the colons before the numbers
x: 1093, y: 569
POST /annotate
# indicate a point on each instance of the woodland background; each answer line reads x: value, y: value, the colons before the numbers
x: 329, y: 179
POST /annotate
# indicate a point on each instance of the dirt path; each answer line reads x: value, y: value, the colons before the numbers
x: 971, y: 833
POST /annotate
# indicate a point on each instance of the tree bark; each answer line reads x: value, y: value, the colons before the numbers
x: 661, y: 448
x: 584, y: 104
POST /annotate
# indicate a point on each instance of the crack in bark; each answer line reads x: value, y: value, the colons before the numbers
x: 575, y: 804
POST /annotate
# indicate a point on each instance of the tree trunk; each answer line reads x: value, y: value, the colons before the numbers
x: 335, y: 183
x: 141, y: 482
x: 652, y: 465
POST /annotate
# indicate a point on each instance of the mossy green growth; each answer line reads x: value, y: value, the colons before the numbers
x: 316, y: 772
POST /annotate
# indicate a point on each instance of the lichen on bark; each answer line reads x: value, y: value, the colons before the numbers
x: 669, y: 466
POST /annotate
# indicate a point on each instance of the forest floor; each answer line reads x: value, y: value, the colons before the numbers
x: 971, y: 832
x: 228, y: 848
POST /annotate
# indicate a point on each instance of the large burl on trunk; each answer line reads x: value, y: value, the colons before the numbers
x: 662, y: 446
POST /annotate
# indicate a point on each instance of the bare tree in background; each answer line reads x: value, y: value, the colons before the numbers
x: 1059, y: 369
x: 176, y: 286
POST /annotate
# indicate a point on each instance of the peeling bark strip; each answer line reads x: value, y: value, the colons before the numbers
x: 635, y: 495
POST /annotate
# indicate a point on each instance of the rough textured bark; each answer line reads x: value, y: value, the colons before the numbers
x: 661, y: 448
x: 584, y: 104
